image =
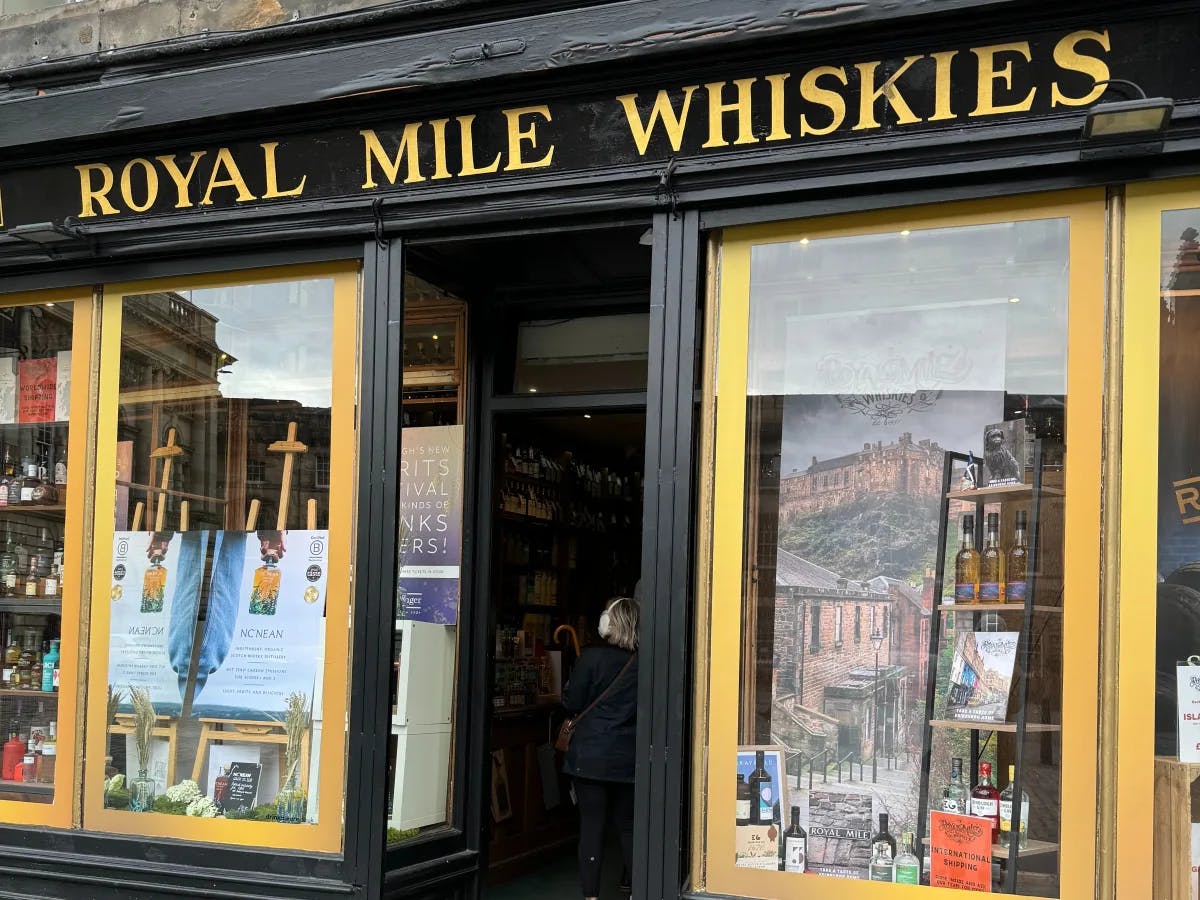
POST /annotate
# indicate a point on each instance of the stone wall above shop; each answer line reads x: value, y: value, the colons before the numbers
x: 34, y: 31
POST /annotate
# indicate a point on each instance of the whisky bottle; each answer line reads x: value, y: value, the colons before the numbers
x: 1016, y: 587
x: 883, y: 865
x: 29, y: 584
x: 760, y: 788
x: 989, y: 562
x: 264, y: 592
x: 966, y: 565
x: 985, y: 800
x: 60, y: 465
x: 954, y: 798
x: 908, y: 867
x: 8, y: 566
x: 12, y: 656
x: 154, y: 585
x: 1006, y: 813
x: 795, y: 845
x: 29, y: 480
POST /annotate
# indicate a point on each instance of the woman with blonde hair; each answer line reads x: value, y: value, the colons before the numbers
x: 601, y: 696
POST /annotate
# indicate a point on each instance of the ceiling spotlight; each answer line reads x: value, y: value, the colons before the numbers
x: 804, y: 241
x: 587, y: 415
x: 905, y: 233
x: 1014, y: 299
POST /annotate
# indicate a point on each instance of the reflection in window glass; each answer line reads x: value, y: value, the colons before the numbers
x: 1177, y: 689
x: 220, y: 554
x: 425, y: 645
x: 873, y: 360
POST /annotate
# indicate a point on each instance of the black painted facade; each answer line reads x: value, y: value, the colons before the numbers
x: 311, y: 89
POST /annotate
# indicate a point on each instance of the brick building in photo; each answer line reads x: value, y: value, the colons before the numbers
x: 826, y: 693
x: 907, y: 467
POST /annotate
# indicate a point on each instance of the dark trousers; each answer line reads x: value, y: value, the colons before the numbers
x: 601, y: 802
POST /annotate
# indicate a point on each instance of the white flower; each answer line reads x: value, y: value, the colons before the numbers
x: 202, y: 807
x: 184, y: 792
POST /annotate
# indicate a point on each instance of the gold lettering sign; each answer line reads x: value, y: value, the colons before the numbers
x: 942, y: 86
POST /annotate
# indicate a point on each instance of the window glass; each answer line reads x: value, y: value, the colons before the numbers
x: 1177, y: 682
x: 882, y: 368
x: 582, y: 353
x: 425, y: 647
x: 223, y: 644
x: 36, y: 352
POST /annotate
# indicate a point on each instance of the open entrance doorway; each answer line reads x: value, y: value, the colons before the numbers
x: 530, y: 352
x: 566, y: 541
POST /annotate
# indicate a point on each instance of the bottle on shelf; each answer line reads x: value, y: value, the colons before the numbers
x: 985, y: 800
x: 29, y: 584
x: 990, y: 585
x: 60, y: 465
x: 1017, y: 563
x: 1006, y: 813
x: 883, y: 860
x: 29, y: 480
x: 12, y: 656
x: 966, y: 564
x: 5, y: 483
x: 762, y: 790
x: 10, y: 463
x: 954, y: 797
x: 908, y: 867
x: 25, y: 665
x: 50, y: 667
x: 8, y: 566
x: 795, y: 845
x: 46, y: 762
x: 29, y: 767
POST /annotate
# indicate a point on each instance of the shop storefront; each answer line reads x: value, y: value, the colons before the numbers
x: 344, y: 380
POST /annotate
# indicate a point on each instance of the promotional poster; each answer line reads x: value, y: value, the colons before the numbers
x: 431, y: 495
x: 153, y: 614
x: 960, y: 853
x: 262, y: 635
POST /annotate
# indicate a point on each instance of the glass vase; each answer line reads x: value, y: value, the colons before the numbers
x: 141, y: 793
x: 291, y: 806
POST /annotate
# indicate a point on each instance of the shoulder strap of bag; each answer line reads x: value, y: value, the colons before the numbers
x: 611, y: 685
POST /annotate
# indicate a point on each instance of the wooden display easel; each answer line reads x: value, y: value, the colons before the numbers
x: 240, y: 731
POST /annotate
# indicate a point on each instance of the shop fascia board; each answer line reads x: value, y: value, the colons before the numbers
x: 139, y: 98
x: 790, y: 183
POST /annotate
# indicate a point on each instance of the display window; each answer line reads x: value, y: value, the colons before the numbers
x: 910, y: 595
x: 224, y: 498
x: 45, y: 358
x: 1159, y: 748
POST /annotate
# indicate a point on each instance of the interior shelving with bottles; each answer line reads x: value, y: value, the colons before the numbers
x: 1003, y: 576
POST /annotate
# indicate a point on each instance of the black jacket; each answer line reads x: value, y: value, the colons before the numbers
x: 603, y: 745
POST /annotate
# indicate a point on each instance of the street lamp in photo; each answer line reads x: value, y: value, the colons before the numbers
x: 877, y: 643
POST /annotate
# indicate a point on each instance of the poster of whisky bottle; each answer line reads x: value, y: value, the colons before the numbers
x: 153, y: 600
x: 431, y: 509
x: 262, y: 634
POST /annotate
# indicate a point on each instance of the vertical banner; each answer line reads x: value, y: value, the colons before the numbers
x: 431, y: 506
x: 262, y: 633
x: 155, y: 589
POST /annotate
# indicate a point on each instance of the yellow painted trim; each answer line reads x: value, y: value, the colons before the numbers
x: 58, y: 813
x: 1082, y: 509
x: 1145, y: 204
x: 326, y: 835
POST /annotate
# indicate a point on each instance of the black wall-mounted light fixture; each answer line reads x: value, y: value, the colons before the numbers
x: 49, y: 236
x: 1126, y: 127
